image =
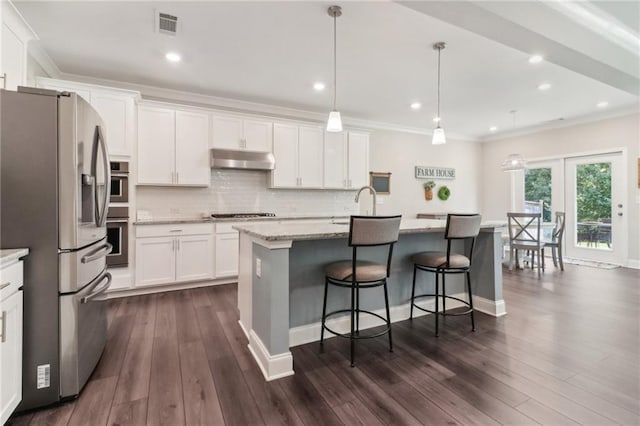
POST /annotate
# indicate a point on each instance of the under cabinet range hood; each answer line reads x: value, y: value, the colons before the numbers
x: 230, y: 159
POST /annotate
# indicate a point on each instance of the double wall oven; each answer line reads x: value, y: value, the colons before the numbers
x: 118, y: 217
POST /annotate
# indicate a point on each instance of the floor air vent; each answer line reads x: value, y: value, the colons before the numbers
x: 167, y: 24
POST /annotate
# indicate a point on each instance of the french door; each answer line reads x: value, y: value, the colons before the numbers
x: 595, y: 197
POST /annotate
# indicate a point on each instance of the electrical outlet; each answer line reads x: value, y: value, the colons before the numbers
x: 258, y: 267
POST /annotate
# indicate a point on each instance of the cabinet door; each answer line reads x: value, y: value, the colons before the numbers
x: 155, y: 261
x: 156, y: 146
x: 227, y: 132
x: 258, y: 135
x: 194, y: 258
x: 227, y: 254
x: 335, y: 160
x: 117, y: 114
x: 10, y: 355
x: 358, y: 159
x: 13, y: 59
x: 192, y: 148
x: 310, y: 155
x: 285, y: 151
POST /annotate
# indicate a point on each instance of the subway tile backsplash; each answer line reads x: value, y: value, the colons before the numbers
x: 242, y: 191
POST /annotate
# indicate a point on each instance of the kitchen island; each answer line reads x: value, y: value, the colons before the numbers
x: 281, y: 281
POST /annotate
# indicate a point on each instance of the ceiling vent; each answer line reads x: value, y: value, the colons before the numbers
x: 167, y: 24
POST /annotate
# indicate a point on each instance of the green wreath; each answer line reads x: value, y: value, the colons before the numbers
x: 444, y: 193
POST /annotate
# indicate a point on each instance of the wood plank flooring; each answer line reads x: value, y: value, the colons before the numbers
x: 567, y: 353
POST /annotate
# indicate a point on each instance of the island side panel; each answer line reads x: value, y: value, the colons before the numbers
x: 245, y: 283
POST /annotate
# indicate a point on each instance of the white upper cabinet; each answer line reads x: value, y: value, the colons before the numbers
x: 117, y: 108
x: 237, y: 133
x: 310, y: 155
x: 192, y: 148
x: 346, y: 160
x: 156, y: 146
x: 358, y: 159
x: 298, y: 151
x: 14, y: 37
x: 172, y: 147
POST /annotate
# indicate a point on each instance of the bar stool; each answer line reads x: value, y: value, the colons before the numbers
x: 364, y: 231
x: 459, y: 227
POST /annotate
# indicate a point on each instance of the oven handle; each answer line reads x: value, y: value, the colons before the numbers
x: 119, y: 174
x: 101, y: 290
x: 98, y: 253
x: 112, y: 220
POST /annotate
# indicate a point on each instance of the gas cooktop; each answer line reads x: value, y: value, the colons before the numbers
x: 240, y: 215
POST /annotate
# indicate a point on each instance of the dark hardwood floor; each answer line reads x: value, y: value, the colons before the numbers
x: 567, y: 353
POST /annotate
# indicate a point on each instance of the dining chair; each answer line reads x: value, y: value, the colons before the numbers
x: 555, y: 244
x: 524, y: 234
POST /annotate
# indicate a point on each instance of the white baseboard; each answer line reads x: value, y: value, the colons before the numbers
x: 272, y: 366
x: 244, y: 330
x: 311, y: 332
x: 633, y: 264
x: 137, y: 291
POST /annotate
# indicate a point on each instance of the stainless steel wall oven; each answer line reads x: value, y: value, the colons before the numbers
x: 119, y: 182
x: 118, y: 236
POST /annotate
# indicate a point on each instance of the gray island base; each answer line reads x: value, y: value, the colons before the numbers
x: 281, y: 282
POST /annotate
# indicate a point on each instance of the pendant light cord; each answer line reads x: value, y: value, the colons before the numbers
x: 439, y: 50
x: 335, y: 62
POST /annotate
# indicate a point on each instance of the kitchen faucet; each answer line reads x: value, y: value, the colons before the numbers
x: 373, y: 192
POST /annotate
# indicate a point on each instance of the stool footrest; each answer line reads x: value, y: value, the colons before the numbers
x: 348, y: 335
x: 466, y: 303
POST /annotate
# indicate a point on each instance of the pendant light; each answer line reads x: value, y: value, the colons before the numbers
x: 334, y: 124
x: 514, y: 162
x: 438, y: 132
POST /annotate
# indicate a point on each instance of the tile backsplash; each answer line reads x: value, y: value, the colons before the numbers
x: 242, y: 191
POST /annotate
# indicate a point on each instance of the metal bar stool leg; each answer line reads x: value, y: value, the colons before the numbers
x: 386, y: 303
x: 473, y: 323
x: 352, y: 335
x: 444, y: 294
x: 357, y: 309
x: 324, y: 313
x: 413, y: 291
x: 437, y: 302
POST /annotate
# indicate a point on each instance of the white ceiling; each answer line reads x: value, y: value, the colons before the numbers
x: 272, y: 52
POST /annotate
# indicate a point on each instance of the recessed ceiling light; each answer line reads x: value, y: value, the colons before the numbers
x: 318, y: 86
x: 493, y: 128
x: 535, y: 59
x: 416, y: 105
x: 544, y: 86
x: 173, y: 57
x: 602, y: 104
x: 436, y: 119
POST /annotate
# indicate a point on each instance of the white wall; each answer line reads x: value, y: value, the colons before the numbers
x: 399, y: 153
x: 618, y: 132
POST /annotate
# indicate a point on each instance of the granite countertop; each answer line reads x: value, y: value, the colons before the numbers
x: 9, y: 256
x: 174, y: 221
x: 305, y: 231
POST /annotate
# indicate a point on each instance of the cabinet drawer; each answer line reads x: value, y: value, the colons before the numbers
x: 11, y: 275
x: 173, y: 230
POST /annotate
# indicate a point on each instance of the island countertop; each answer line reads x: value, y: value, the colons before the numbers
x: 296, y: 231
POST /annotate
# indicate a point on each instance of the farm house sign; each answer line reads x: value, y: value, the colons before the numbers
x: 435, y: 173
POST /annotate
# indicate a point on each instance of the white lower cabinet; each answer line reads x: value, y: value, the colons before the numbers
x: 10, y: 340
x: 168, y: 254
x: 227, y: 251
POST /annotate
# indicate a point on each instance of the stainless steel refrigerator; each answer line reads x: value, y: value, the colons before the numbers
x: 54, y: 188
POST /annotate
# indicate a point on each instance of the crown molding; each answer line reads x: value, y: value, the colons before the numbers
x: 582, y: 119
x: 41, y: 56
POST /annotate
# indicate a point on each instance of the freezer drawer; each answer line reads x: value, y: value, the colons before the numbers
x: 83, y: 334
x: 77, y: 268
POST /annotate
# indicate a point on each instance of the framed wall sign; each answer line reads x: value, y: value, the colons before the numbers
x: 381, y: 182
x: 424, y: 172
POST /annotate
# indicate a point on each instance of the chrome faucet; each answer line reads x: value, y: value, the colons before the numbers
x: 373, y: 192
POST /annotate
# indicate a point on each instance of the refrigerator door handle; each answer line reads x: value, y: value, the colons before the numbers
x: 98, y: 253
x: 100, y: 290
x: 99, y: 143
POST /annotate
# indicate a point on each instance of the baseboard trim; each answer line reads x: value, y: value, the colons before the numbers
x: 311, y: 332
x: 633, y: 264
x: 161, y: 288
x: 272, y: 366
x: 244, y: 330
